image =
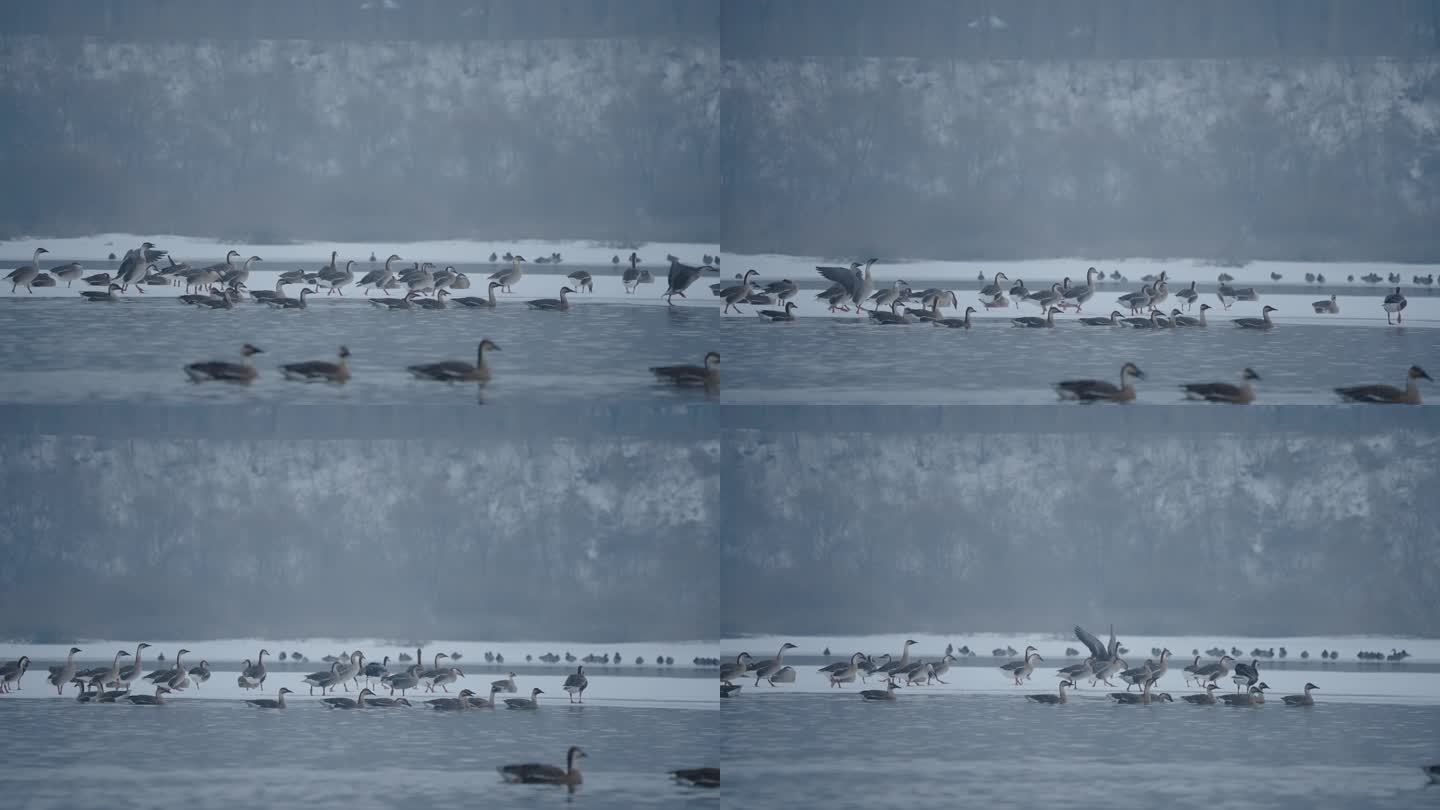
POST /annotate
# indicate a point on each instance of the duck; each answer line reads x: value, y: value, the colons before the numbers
x: 774, y: 315
x: 1102, y: 390
x: 457, y: 370
x: 1034, y: 322
x: 535, y: 774
x: 221, y: 371
x: 1330, y: 307
x: 560, y: 304
x: 267, y: 703
x: 1388, y: 394
x: 1263, y: 322
x: 1241, y: 394
x: 707, y: 374
x: 1394, y: 304
x: 1301, y: 700
x: 532, y: 702
x: 320, y: 370
x: 1050, y: 699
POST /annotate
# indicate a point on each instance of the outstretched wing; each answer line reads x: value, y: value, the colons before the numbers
x: 1092, y: 643
x: 844, y: 276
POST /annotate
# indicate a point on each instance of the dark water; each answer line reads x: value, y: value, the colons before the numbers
x: 214, y: 754
x: 856, y: 360
x: 66, y: 350
x: 963, y: 750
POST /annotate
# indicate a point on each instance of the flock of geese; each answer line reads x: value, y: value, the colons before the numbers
x: 1105, y: 661
x: 116, y: 683
x: 1236, y: 393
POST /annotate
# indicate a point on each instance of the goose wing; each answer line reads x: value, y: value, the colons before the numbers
x: 1092, y: 643
x: 844, y: 276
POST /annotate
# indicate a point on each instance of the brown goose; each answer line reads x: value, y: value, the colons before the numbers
x: 457, y: 370
x: 708, y: 374
x: 1049, y: 698
x: 1224, y: 392
x: 320, y: 370
x: 1388, y: 394
x: 1101, y: 390
x: 222, y: 371
x: 267, y: 703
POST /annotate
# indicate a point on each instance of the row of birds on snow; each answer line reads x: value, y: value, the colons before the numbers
x: 1105, y: 661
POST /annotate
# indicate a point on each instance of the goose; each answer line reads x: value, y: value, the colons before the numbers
x: 679, y: 279
x: 128, y: 674
x: 535, y: 774
x: 1075, y: 672
x: 223, y: 300
x: 730, y: 671
x: 420, y: 279
x: 509, y: 276
x: 707, y: 374
x: 11, y: 673
x: 457, y: 370
x: 267, y: 703
x: 774, y: 315
x: 237, y: 276
x: 1388, y: 394
x: 403, y: 681
x: 835, y: 298
x: 1206, y: 698
x: 221, y: 371
x: 1081, y: 295
x: 285, y: 302
x: 444, y: 677
x: 1150, y: 321
x: 350, y: 667
x: 890, y: 318
x: 1019, y: 291
x: 729, y: 689
x: 1138, y: 675
x: 560, y: 304
x: 1137, y: 302
x: 387, y: 703
x: 256, y: 673
x: 156, y: 699
x: 770, y: 666
x: 532, y: 702
x: 630, y: 279
x: 326, y: 679
x: 1190, y: 671
x: 584, y: 282
x: 1188, y: 295
x: 1216, y: 671
x: 957, y: 323
x: 1034, y: 322
x: 1254, y: 697
x: 376, y: 669
x: 888, y: 693
x: 783, y: 290
x: 1246, y: 675
x: 265, y: 296
x: 1113, y: 320
x: 101, y: 675
x: 482, y: 703
x: 438, y: 302
x: 62, y: 673
x: 111, y: 295
x: 698, y: 777
x: 1050, y: 699
x: 1263, y: 323
x: 24, y: 275
x: 1394, y: 304
x: 934, y: 671
x: 377, y: 279
x: 179, y: 679
x: 97, y: 280
x: 891, y: 667
x: 136, y: 265
x: 845, y: 673
x: 1185, y: 320
x: 320, y: 370
x: 859, y: 284
x: 736, y: 295
x: 575, y: 685
x: 1225, y: 291
x: 336, y: 280
x: 506, y: 684
x: 460, y: 702
x: 68, y: 273
x: 1161, y: 292
x: 1021, y: 669
x: 200, y: 674
x: 1301, y: 700
x: 993, y: 288
x: 898, y: 292
x: 358, y: 702
x: 1224, y: 392
x: 1046, y: 299
x: 479, y: 303
x: 1102, y: 390
x: 1144, y: 698
x: 393, y: 304
x: 1330, y: 307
